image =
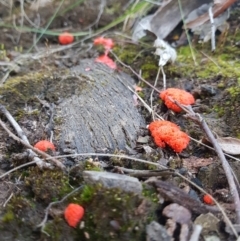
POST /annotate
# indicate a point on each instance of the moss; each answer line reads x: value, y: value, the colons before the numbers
x: 121, y: 215
x: 149, y: 69
x: 150, y: 193
x: 128, y: 54
x: 87, y: 194
x: 234, y: 91
x: 47, y: 185
x: 19, y: 220
x: 57, y: 229
x: 113, y: 211
x: 208, y: 65
x: 90, y: 165
x: 8, y: 216
x: 219, y: 110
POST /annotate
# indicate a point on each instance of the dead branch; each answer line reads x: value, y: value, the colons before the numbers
x: 198, y: 118
x: 43, y: 223
x: 144, y: 173
x: 177, y: 195
x: 134, y: 72
x: 24, y: 141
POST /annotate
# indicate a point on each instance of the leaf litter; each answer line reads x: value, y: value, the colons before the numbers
x: 167, y: 53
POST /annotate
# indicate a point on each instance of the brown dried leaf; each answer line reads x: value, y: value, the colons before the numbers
x: 229, y: 145
x: 194, y: 163
x: 169, y: 16
x: 177, y: 213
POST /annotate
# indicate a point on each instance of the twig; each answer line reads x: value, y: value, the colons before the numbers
x: 145, y: 173
x: 25, y: 142
x: 140, y: 98
x: 33, y: 151
x: 197, y: 229
x: 100, y: 12
x: 18, y: 167
x: 207, y: 56
x: 168, y: 191
x: 164, y: 78
x: 151, y: 95
x: 213, y: 28
x: 129, y: 67
x: 233, y: 189
x: 228, y: 221
x: 9, y: 198
x: 42, y: 224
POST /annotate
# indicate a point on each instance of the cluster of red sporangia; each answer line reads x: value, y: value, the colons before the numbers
x: 108, y: 44
x: 165, y: 132
x: 65, y: 38
x: 73, y: 212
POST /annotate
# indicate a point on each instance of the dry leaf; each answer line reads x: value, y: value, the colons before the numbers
x: 169, y: 16
x: 165, y: 51
x: 194, y: 163
x: 177, y: 213
x: 166, y: 18
x: 229, y: 145
x: 140, y: 28
x: 204, y: 30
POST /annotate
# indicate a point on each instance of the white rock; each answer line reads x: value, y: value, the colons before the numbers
x: 113, y: 180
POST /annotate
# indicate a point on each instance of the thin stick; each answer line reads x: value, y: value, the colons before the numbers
x: 140, y: 98
x: 33, y: 150
x: 18, y: 167
x: 228, y: 221
x: 129, y: 67
x: 24, y: 140
x: 42, y: 224
x: 227, y: 169
x: 164, y: 78
x: 197, y: 229
x: 151, y: 95
x: 213, y: 28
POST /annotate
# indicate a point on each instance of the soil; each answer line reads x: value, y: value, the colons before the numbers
x: 59, y: 92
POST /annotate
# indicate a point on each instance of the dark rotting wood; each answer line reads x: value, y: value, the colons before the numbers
x: 94, y: 108
x: 102, y: 114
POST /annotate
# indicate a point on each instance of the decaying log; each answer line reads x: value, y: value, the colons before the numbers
x: 102, y: 115
x: 94, y: 108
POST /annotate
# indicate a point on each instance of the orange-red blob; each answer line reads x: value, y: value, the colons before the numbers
x: 106, y: 60
x: 73, y: 214
x: 208, y: 199
x: 65, y: 38
x: 166, y: 132
x: 44, y: 145
x: 106, y: 42
x: 172, y: 94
